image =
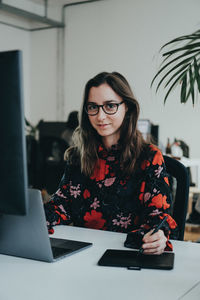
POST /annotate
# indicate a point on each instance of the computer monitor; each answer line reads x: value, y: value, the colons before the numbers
x: 13, y: 172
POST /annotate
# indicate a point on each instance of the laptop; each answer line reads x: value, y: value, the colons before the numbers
x: 27, y: 236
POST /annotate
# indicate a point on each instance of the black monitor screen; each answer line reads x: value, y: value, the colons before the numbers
x: 13, y: 173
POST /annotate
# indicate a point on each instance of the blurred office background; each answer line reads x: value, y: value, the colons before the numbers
x: 65, y: 43
x: 122, y: 35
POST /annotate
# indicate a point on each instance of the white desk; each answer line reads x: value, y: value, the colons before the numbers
x: 77, y: 277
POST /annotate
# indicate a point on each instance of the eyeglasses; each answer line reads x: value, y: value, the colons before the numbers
x: 92, y: 109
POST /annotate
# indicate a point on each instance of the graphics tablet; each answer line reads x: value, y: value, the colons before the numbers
x: 132, y: 258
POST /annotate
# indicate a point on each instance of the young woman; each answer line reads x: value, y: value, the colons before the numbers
x: 114, y: 180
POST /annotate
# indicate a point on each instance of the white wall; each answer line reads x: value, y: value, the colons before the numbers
x: 125, y: 36
x: 15, y: 39
x: 43, y: 75
x: 121, y: 35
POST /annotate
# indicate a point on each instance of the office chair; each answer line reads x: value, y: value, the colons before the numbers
x: 51, y: 162
x: 179, y: 210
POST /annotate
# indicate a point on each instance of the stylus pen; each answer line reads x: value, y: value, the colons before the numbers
x: 141, y: 250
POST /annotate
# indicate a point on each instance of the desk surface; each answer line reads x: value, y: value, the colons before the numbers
x: 78, y: 277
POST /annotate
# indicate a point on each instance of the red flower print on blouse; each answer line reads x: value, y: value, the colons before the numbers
x: 147, y: 196
x: 86, y: 194
x: 123, y: 182
x: 171, y: 222
x: 94, y: 220
x: 95, y: 203
x: 166, y: 180
x: 145, y: 164
x: 61, y: 215
x: 100, y: 148
x: 51, y: 231
x: 153, y: 148
x: 101, y: 170
x: 158, y: 159
x: 142, y: 188
x: 141, y: 196
x: 136, y: 220
x: 159, y: 201
x: 60, y: 194
x: 109, y: 181
x: 169, y: 246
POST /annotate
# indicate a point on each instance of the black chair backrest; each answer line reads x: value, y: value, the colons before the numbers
x: 180, y: 173
x: 47, y: 143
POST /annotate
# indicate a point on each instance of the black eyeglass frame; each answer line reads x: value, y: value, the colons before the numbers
x: 102, y: 106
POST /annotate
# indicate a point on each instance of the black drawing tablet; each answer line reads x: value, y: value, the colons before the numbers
x: 132, y: 258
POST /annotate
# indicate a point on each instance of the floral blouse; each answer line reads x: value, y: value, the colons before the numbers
x: 109, y: 201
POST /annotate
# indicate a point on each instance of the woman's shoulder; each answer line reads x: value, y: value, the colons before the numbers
x: 151, y: 154
x: 154, y: 150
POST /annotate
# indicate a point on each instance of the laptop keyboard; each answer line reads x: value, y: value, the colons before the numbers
x: 58, y: 251
x: 63, y: 247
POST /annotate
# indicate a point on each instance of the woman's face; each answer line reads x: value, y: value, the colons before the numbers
x: 107, y: 126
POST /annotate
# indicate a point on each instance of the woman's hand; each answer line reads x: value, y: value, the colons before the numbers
x: 155, y: 243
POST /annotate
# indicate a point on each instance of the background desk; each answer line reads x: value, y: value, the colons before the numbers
x: 193, y: 162
x: 77, y: 277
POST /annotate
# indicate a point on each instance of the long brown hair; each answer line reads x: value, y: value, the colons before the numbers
x: 87, y: 140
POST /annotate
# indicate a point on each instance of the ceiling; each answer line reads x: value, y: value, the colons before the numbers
x: 57, y: 2
x: 40, y: 14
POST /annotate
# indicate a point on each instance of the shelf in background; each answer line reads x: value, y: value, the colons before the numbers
x: 192, y: 233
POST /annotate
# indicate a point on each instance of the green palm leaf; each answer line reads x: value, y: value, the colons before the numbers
x: 186, y: 53
x: 184, y: 89
x: 174, y: 75
x: 187, y: 47
x: 174, y: 84
x: 197, y: 76
x: 179, y: 72
x: 192, y: 37
x: 169, y: 63
x: 181, y: 65
x: 191, y: 83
